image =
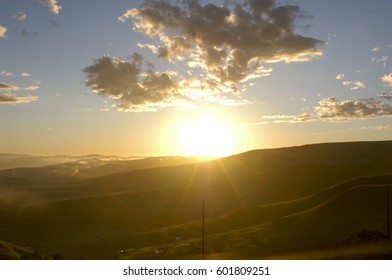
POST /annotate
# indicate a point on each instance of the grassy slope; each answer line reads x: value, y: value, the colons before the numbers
x: 10, y: 251
x: 246, y: 195
x: 321, y: 221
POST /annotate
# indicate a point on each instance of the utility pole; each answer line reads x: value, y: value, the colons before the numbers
x: 388, y: 213
x: 202, y: 230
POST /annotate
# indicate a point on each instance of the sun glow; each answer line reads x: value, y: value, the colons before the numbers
x: 206, y: 136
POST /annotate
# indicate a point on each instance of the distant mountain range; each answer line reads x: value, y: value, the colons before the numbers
x: 70, y: 168
x: 9, y: 161
x: 313, y: 202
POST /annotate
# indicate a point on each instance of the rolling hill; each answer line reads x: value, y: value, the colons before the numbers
x: 295, y: 202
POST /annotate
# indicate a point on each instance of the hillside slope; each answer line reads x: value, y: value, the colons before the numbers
x: 251, y: 197
x: 326, y: 220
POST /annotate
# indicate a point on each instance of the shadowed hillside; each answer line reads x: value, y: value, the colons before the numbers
x: 260, y: 204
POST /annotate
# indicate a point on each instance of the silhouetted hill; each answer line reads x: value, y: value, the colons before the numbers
x: 322, y: 221
x: 84, y: 167
x: 259, y: 204
x: 10, y: 251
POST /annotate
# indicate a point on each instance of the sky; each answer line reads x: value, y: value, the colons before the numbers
x: 152, y: 78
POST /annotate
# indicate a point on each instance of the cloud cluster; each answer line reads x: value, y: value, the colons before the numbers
x: 52, y: 5
x: 3, y: 30
x: 333, y: 108
x: 221, y: 48
x: 6, y: 98
x: 353, y: 85
x: 230, y: 43
x: 131, y: 83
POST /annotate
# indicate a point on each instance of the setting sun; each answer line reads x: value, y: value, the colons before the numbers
x: 206, y: 136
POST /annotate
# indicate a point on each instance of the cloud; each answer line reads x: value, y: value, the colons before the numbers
x: 132, y: 84
x: 358, y: 85
x: 383, y: 60
x: 7, y: 73
x: 387, y: 79
x: 21, y: 16
x: 231, y: 43
x: 377, y: 127
x: 340, y: 77
x: 375, y: 49
x: 52, y: 5
x: 25, y: 74
x: 333, y: 108
x: 31, y: 88
x: 6, y: 98
x: 4, y: 86
x: 353, y: 85
x: 3, y: 30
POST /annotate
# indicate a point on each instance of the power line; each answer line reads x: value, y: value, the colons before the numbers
x: 388, y: 213
x: 202, y: 231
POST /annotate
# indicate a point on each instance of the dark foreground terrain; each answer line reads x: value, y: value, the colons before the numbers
x: 323, y: 201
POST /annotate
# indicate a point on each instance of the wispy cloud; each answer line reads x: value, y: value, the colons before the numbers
x: 3, y: 30
x: 52, y: 5
x: 386, y: 95
x: 387, y: 79
x: 377, y: 127
x: 383, y: 59
x: 55, y: 23
x: 6, y: 74
x: 340, y: 77
x: 31, y: 88
x: 4, y: 86
x: 26, y: 32
x: 6, y: 98
x: 20, y: 16
x: 230, y: 43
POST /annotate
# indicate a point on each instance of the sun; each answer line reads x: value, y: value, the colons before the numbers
x: 206, y: 136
